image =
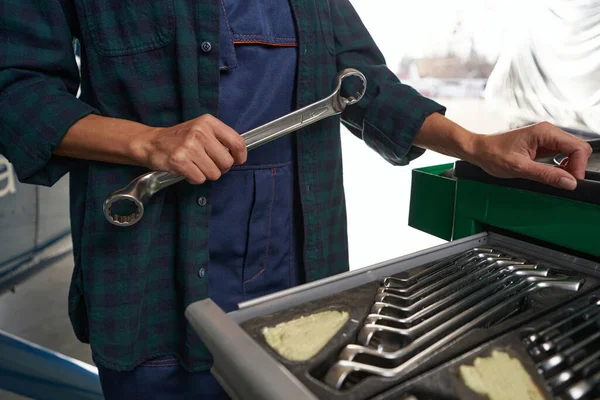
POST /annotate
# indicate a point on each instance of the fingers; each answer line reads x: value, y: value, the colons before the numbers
x: 197, y: 149
x: 219, y: 155
x: 208, y: 143
x: 194, y: 175
x: 232, y: 140
x: 578, y: 160
x: 180, y: 162
x: 197, y: 167
x: 578, y: 150
x: 209, y: 168
x: 548, y: 174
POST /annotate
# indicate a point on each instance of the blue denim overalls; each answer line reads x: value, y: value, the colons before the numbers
x: 254, y: 208
x: 253, y: 229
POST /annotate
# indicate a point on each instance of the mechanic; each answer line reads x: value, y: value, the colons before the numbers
x: 169, y: 85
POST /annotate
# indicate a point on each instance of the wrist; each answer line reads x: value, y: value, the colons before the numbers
x: 469, y: 145
x: 444, y: 136
x: 141, y: 146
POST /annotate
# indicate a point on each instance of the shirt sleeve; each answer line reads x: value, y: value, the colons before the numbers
x: 390, y: 115
x: 39, y: 80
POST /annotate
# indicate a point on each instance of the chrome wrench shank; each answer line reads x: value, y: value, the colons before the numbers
x: 541, y: 335
x: 555, y: 343
x: 582, y: 388
x: 393, y: 281
x: 570, y: 374
x: 424, y: 308
x: 140, y: 190
x: 548, y: 365
x: 445, y: 273
x: 474, y: 301
x: 446, y: 285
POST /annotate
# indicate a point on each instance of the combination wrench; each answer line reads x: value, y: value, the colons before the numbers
x: 140, y: 190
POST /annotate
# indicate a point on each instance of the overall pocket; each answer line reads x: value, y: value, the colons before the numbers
x: 124, y: 27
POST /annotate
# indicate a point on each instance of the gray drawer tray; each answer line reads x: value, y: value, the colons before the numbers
x: 248, y: 371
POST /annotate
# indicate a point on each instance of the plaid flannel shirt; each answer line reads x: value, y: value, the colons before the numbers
x: 151, y: 63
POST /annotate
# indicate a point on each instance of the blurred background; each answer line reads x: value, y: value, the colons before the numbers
x: 445, y: 50
x: 495, y: 65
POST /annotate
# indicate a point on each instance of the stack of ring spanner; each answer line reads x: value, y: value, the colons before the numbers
x: 141, y: 189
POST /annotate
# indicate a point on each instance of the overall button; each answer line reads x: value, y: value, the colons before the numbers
x: 202, y: 201
x: 206, y: 47
x: 201, y: 273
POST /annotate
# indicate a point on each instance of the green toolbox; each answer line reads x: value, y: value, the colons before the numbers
x: 455, y: 201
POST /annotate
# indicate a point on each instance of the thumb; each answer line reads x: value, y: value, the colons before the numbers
x: 549, y: 175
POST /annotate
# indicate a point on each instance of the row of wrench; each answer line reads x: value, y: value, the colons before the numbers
x: 567, y: 352
x: 412, y: 318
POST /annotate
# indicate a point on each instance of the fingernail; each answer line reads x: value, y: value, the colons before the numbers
x: 568, y: 184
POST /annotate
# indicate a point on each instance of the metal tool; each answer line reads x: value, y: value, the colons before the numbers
x: 593, y: 165
x: 547, y: 366
x: 457, y: 289
x: 440, y: 274
x: 423, y: 347
x: 475, y: 302
x: 447, y: 273
x: 543, y: 334
x: 584, y: 387
x: 141, y: 189
x: 591, y: 363
x: 397, y: 282
x: 558, y: 341
x: 568, y: 355
x: 424, y: 308
x: 449, y: 284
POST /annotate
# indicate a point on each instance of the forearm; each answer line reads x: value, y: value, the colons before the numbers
x: 105, y: 139
x: 441, y: 135
x: 199, y: 149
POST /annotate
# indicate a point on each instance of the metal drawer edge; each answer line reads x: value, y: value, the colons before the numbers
x: 324, y: 287
x: 238, y: 358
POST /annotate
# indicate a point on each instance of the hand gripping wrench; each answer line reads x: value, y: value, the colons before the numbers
x: 141, y: 189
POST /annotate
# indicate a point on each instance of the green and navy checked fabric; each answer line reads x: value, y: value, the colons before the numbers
x: 143, y: 61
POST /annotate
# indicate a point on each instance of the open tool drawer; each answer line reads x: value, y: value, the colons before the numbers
x: 442, y: 308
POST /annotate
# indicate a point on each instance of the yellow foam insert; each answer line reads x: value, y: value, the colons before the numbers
x: 302, y: 338
x: 500, y: 377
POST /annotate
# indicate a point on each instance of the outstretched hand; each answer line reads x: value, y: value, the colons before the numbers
x: 512, y: 154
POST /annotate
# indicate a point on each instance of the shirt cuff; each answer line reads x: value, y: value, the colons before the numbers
x: 394, y: 119
x: 32, y: 134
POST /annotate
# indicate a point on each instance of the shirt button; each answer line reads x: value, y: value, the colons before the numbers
x: 201, y: 273
x: 206, y: 47
x: 202, y: 201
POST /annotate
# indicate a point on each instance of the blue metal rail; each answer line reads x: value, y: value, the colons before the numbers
x: 33, y: 371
